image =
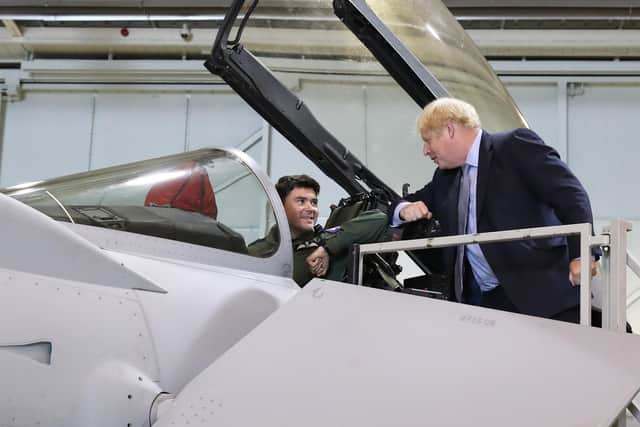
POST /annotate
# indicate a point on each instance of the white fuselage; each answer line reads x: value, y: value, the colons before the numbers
x: 79, y: 350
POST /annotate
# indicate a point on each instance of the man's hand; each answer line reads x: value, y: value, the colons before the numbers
x: 574, y: 271
x: 318, y: 262
x: 414, y: 211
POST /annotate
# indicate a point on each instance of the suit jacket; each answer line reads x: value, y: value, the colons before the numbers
x: 521, y: 183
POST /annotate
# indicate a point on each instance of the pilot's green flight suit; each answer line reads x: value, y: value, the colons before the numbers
x: 370, y: 226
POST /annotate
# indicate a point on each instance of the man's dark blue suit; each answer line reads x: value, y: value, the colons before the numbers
x: 521, y: 183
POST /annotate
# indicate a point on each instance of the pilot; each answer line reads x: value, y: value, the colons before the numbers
x: 317, y: 252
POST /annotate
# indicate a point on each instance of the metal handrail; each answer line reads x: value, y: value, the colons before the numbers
x: 587, y: 240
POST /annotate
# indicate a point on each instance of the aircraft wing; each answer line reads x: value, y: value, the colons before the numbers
x: 345, y: 355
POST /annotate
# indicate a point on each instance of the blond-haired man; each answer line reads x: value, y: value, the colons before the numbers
x: 501, y: 181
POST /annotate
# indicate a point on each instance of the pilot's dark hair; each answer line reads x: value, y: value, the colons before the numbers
x: 288, y: 182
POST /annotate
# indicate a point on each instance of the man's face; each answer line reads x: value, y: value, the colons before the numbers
x: 442, y: 147
x: 301, y: 206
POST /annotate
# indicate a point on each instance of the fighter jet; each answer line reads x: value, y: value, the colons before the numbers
x: 128, y: 295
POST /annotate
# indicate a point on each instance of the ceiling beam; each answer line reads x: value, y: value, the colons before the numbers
x: 565, y: 44
x: 165, y: 43
x: 12, y: 27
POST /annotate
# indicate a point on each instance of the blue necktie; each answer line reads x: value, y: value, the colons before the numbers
x: 463, y: 215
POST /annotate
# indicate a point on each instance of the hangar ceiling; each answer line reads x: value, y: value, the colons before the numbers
x: 151, y: 29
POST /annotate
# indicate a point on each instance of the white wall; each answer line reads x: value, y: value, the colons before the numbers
x: 45, y: 135
x: 57, y: 131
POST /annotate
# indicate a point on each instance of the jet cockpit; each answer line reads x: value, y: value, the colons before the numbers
x: 208, y: 199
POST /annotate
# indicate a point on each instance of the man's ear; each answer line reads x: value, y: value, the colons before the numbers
x: 451, y: 129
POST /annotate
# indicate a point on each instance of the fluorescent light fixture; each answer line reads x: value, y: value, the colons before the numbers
x: 109, y: 18
x: 151, y: 17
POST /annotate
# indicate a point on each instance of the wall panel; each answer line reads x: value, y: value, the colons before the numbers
x: 220, y: 119
x: 539, y: 104
x: 45, y: 135
x: 137, y: 126
x: 603, y: 147
x: 394, y: 149
x: 339, y: 106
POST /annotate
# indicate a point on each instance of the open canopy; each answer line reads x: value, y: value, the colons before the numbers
x: 418, y: 43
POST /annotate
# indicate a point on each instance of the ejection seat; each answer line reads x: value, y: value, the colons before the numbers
x: 191, y: 191
x: 194, y: 212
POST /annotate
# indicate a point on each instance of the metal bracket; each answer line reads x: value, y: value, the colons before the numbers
x: 614, y: 297
x: 575, y: 89
x: 12, y: 85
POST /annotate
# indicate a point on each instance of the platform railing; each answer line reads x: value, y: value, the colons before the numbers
x: 613, y: 240
x: 634, y: 265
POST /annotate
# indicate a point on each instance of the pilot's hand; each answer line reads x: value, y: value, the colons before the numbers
x: 574, y: 271
x: 318, y: 262
x: 414, y: 211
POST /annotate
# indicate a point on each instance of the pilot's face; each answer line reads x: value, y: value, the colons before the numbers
x: 301, y: 206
